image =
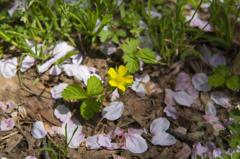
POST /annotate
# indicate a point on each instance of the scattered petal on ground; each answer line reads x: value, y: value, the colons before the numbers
x: 113, y: 111
x: 220, y: 99
x: 136, y: 144
x: 30, y: 157
x: 141, y: 78
x: 217, y: 60
x: 63, y: 113
x: 183, y: 98
x: 171, y: 112
x: 107, y: 48
x: 200, y: 81
x: 92, y: 142
x: 9, y: 67
x: 182, y: 81
x: 56, y: 91
x: 210, y: 109
x: 77, y: 139
x: 38, y: 130
x: 159, y: 125
x: 138, y: 88
x: 7, y: 124
x: 163, y: 139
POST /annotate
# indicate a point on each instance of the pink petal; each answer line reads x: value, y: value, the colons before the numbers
x: 159, y: 125
x: 210, y: 117
x: 217, y: 60
x: 108, y: 48
x: 61, y: 49
x: 210, y: 109
x: 82, y: 72
x: 169, y: 97
x: 220, y: 99
x: 71, y: 126
x: 104, y: 140
x: 158, y: 57
x: 163, y: 139
x: 141, y: 78
x: 44, y: 67
x: 56, y: 70
x: 56, y: 91
x: 200, y: 82
x: 183, y: 98
x: 11, y: 104
x: 114, y: 132
x: 171, y: 112
x: 3, y: 106
x: 27, y: 62
x: 114, y: 95
x: 77, y: 139
x: 9, y: 67
x: 38, y: 130
x: 118, y: 157
x: 182, y: 81
x: 30, y: 157
x: 218, y: 126
x: 92, y: 70
x: 137, y: 131
x: 7, y: 124
x: 192, y: 91
x: 113, y: 111
x: 205, y: 52
x: 136, y: 144
x: 217, y: 153
x: 77, y: 58
x: 63, y: 113
x: 138, y: 88
x: 92, y: 142
x: 197, y: 150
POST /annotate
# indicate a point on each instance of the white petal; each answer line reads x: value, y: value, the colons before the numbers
x: 159, y: 125
x: 82, y: 72
x: 210, y: 109
x: 56, y: 91
x: 171, y: 112
x: 56, y: 70
x: 63, y: 113
x: 141, y: 78
x: 136, y: 144
x: 92, y: 142
x: 183, y: 98
x: 114, y: 95
x: 30, y: 157
x: 72, y: 124
x: 138, y: 88
x: 220, y: 99
x: 192, y: 91
x: 7, y: 124
x: 77, y: 139
x: 117, y: 131
x: 9, y: 67
x: 107, y: 48
x: 61, y: 49
x: 137, y: 131
x: 77, y: 58
x: 200, y: 82
x: 44, y: 67
x: 217, y: 60
x: 113, y: 111
x: 163, y: 139
x: 169, y: 97
x: 104, y: 140
x: 38, y: 130
x: 182, y: 81
x: 27, y: 62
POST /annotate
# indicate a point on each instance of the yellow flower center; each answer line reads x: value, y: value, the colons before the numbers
x: 119, y: 79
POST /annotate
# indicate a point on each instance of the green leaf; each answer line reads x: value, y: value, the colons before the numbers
x: 74, y: 91
x: 115, y: 39
x: 121, y: 33
x: 233, y: 83
x: 131, y: 46
x: 235, y: 114
x: 104, y: 35
x: 147, y: 55
x: 223, y: 69
x: 236, y: 155
x: 88, y: 107
x: 132, y: 62
x: 225, y: 156
x: 216, y: 80
x: 94, y: 86
x: 68, y: 55
x: 198, y: 157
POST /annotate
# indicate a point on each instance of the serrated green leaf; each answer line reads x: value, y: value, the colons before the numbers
x: 233, y: 83
x: 216, y: 80
x: 74, y: 91
x: 236, y: 155
x: 223, y: 69
x: 131, y: 46
x: 121, y: 33
x: 115, y: 39
x: 147, y: 55
x: 198, y: 157
x: 104, y: 35
x: 88, y: 107
x: 132, y: 63
x: 235, y: 114
x: 94, y: 86
x: 68, y: 55
x: 225, y: 156
x: 131, y: 41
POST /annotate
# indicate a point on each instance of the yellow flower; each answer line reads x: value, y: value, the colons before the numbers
x: 120, y: 78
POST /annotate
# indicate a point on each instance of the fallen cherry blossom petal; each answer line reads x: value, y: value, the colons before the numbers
x: 217, y: 125
x: 136, y: 144
x: 77, y: 139
x: 210, y: 109
x: 44, y: 67
x: 92, y: 142
x: 114, y: 95
x: 163, y: 139
x: 137, y: 131
x: 169, y: 97
x: 108, y: 48
x: 217, y: 153
x: 200, y: 82
x: 92, y: 70
x: 72, y: 124
x: 141, y: 78
x: 159, y: 125
x: 184, y: 153
x: 220, y: 99
x: 210, y: 117
x: 16, y: 6
x: 176, y: 66
x: 138, y: 88
x: 61, y: 49
x: 27, y: 62
x: 118, y: 157
x: 182, y: 81
x: 7, y: 124
x: 171, y: 112
x: 9, y: 67
x: 197, y: 150
x: 217, y: 60
x: 38, y: 130
x: 82, y: 72
x: 77, y: 58
x: 56, y: 91
x: 30, y: 157
x: 104, y: 141
x: 63, y: 113
x: 114, y: 132
x: 183, y: 98
x: 113, y: 111
x: 56, y: 70
x: 3, y: 106
x: 192, y: 91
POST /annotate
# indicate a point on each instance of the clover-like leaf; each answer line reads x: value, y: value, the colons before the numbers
x: 233, y: 82
x: 74, y: 92
x: 132, y: 62
x: 94, y: 86
x: 88, y: 107
x: 223, y: 69
x: 216, y: 80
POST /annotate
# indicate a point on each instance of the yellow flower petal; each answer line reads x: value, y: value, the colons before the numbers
x: 113, y: 83
x: 112, y: 73
x: 128, y: 79
x: 122, y: 70
x: 120, y: 86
